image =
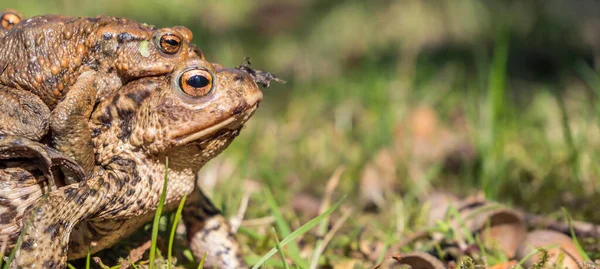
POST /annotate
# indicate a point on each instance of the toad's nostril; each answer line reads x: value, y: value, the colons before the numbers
x: 238, y: 110
x: 238, y: 77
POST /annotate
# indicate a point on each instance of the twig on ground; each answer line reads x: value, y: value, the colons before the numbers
x: 396, y: 257
x: 266, y: 221
x: 237, y: 220
x: 325, y: 205
x: 581, y: 228
x: 135, y: 255
x: 327, y: 238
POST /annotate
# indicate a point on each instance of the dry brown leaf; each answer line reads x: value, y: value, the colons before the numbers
x: 417, y: 260
x: 497, y: 225
x: 385, y: 161
x: 371, y: 186
x: 439, y: 202
x: 506, y: 229
x: 377, y: 177
x: 388, y: 261
x: 306, y: 204
x: 546, y: 238
x: 135, y: 255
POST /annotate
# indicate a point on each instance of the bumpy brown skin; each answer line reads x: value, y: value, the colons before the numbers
x: 74, y: 62
x: 134, y: 131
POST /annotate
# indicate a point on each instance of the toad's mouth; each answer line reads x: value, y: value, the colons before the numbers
x: 230, y: 125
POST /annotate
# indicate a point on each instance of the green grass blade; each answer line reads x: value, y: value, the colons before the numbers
x: 480, y: 244
x: 465, y: 230
x: 173, y: 229
x: 155, y: 225
x: 494, y: 138
x: 250, y: 233
x: 386, y: 245
x: 11, y: 257
x: 189, y: 256
x: 575, y: 241
x: 201, y: 264
x: 88, y: 258
x: 524, y: 259
x: 2, y: 259
x: 533, y: 252
x: 253, y: 259
x: 70, y: 266
x: 280, y: 250
x: 303, y: 229
x: 284, y: 229
x: 568, y: 135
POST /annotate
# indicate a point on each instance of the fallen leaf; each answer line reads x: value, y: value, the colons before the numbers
x: 546, y: 238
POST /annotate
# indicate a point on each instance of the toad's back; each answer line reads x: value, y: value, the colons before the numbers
x: 46, y: 54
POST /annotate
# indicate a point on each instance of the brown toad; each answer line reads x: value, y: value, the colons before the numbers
x: 189, y: 116
x: 55, y: 66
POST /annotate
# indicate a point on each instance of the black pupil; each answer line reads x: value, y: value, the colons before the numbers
x: 172, y: 42
x: 197, y: 81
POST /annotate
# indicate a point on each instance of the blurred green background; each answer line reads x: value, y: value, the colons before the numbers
x: 409, y: 96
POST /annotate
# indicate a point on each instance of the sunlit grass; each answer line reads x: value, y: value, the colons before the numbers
x: 201, y: 263
x: 158, y: 214
x: 494, y: 138
x: 13, y: 252
x: 88, y: 258
x: 280, y: 250
x: 574, y: 237
x: 292, y: 236
x: 173, y: 230
x: 281, y: 223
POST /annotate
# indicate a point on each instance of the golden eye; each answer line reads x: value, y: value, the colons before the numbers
x: 170, y: 43
x: 9, y: 19
x: 196, y: 82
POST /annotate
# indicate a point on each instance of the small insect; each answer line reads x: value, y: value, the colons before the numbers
x: 261, y: 78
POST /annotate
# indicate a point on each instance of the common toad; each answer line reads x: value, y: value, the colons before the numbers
x: 188, y: 116
x: 53, y: 66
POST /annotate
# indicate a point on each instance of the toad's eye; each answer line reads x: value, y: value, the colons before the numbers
x: 170, y: 43
x: 9, y: 19
x: 196, y: 82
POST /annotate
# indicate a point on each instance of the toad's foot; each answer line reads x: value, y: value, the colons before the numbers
x: 210, y: 233
x: 49, y: 161
x: 22, y: 113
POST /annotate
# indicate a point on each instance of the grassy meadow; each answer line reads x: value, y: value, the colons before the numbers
x: 386, y: 102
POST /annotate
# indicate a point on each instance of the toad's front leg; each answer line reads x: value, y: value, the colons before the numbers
x: 70, y: 119
x: 210, y: 233
x: 48, y: 224
x: 22, y: 113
